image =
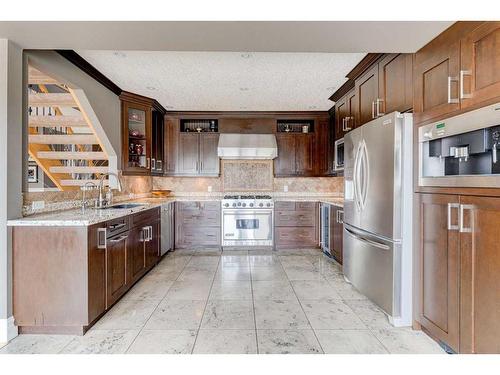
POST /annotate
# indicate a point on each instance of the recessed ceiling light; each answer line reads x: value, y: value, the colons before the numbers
x: 119, y: 54
x: 244, y: 89
x: 151, y: 88
x: 246, y: 55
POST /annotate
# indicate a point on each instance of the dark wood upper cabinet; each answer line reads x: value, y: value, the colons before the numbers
x: 157, y: 143
x: 284, y: 164
x: 341, y: 113
x: 171, y: 145
x: 209, y: 160
x: 324, y: 147
x: 480, y: 276
x: 395, y: 82
x: 439, y: 267
x: 142, y: 135
x: 445, y: 75
x: 198, y: 154
x: 366, y: 89
x: 188, y: 157
x: 480, y: 65
x: 304, y: 154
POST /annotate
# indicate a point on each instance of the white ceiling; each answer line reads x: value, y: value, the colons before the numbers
x: 228, y: 81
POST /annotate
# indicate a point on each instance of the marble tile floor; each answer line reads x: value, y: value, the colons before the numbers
x: 239, y: 302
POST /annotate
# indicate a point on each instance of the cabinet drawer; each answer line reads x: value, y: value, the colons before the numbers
x: 305, y: 206
x: 199, y: 206
x: 284, y: 206
x: 117, y: 226
x: 145, y: 217
x: 295, y: 218
x: 201, y: 218
x: 296, y: 237
x: 195, y: 236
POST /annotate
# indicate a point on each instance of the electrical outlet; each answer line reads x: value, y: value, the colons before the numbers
x: 38, y: 205
x: 209, y: 189
x: 285, y: 188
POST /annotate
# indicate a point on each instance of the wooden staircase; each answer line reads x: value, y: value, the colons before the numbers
x: 62, y: 140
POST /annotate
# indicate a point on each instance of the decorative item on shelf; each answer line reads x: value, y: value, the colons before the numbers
x: 212, y: 126
x: 139, y: 149
x: 160, y: 193
x: 305, y: 129
x: 134, y: 133
x: 131, y: 148
x: 135, y: 116
x: 287, y: 128
x: 199, y: 129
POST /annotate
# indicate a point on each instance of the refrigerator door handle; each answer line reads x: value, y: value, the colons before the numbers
x: 355, y: 178
x: 366, y: 240
x: 365, y: 170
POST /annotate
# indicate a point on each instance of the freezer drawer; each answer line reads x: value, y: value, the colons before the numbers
x: 371, y: 264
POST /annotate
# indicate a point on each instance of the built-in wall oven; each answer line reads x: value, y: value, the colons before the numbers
x: 247, y: 221
x: 338, y: 159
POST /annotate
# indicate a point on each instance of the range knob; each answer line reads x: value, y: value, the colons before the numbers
x: 251, y: 204
x: 226, y: 204
x: 239, y: 204
x: 234, y: 204
x: 268, y: 204
x: 244, y: 204
x: 261, y: 205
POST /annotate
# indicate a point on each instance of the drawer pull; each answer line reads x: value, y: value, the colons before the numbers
x: 119, y: 239
x: 116, y: 226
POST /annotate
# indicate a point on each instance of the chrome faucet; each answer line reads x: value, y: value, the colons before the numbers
x: 103, y: 202
x: 84, y: 188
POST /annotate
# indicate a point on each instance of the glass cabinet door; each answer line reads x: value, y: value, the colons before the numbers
x: 138, y: 126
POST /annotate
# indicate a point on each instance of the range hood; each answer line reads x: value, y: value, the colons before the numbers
x: 247, y: 146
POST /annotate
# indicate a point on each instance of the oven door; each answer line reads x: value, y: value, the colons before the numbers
x: 247, y: 227
x: 339, y: 155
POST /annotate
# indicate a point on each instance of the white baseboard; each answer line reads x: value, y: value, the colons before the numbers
x: 8, y: 330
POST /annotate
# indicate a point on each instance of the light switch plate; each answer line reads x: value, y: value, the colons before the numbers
x: 38, y: 205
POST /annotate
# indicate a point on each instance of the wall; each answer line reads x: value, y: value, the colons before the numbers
x: 313, y: 185
x: 11, y: 170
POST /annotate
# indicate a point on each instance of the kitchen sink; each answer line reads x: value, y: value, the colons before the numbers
x: 125, y: 206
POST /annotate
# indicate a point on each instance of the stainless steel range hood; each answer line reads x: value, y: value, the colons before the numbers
x: 247, y: 146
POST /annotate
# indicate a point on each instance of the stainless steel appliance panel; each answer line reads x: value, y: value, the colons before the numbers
x: 370, y: 265
x: 242, y: 226
x: 351, y: 141
x: 325, y: 218
x: 378, y: 176
x: 339, y: 155
x: 167, y: 228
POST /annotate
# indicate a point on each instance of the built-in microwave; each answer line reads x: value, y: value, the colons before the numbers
x: 338, y: 159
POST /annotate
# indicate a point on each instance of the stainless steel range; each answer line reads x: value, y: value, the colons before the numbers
x: 247, y: 220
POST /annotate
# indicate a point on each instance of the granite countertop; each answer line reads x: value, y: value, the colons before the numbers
x: 75, y: 217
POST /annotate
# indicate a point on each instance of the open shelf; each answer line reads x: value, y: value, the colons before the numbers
x: 294, y: 126
x: 199, y: 126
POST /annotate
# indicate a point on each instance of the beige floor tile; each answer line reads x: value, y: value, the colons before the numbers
x: 176, y: 314
x: 273, y: 290
x: 190, y: 290
x: 314, y: 289
x: 231, y: 290
x: 349, y: 342
x: 127, y: 315
x: 331, y: 314
x: 163, y: 342
x: 231, y: 314
x: 101, y: 342
x: 36, y: 344
x: 279, y: 314
x: 302, y: 341
x: 407, y: 341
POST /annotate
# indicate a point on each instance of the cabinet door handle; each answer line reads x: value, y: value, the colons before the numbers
x: 347, y: 128
x: 373, y: 109
x: 119, y: 239
x: 116, y: 226
x: 450, y: 206
x: 101, y: 238
x: 462, y: 74
x: 450, y: 99
x: 343, y: 124
x: 462, y: 228
x: 153, y: 164
x: 148, y: 163
x: 377, y: 105
x: 144, y: 234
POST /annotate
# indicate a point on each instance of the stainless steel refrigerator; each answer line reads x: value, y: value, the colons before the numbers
x: 378, y: 199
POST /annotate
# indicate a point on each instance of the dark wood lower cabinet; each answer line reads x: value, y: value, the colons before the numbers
x: 116, y: 268
x: 439, y: 267
x: 65, y: 278
x: 296, y: 225
x: 480, y: 275
x: 337, y: 233
x: 197, y: 224
x: 459, y: 271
